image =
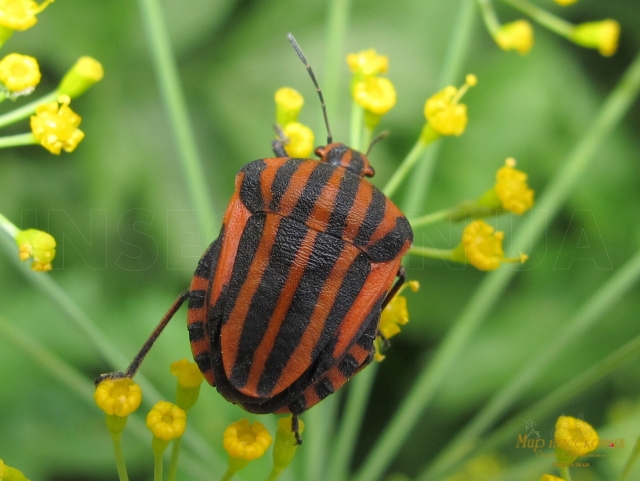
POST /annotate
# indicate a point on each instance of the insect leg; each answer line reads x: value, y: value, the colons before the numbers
x: 135, y: 364
x: 296, y: 429
x: 278, y: 144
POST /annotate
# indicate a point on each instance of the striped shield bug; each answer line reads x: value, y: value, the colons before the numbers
x: 284, y: 305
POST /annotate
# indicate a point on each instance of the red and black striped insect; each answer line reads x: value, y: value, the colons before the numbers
x: 284, y: 305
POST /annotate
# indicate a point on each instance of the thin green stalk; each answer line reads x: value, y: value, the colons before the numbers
x: 431, y: 218
x: 544, y: 18
x: 367, y: 135
x: 432, y: 253
x: 104, y: 347
x: 489, y: 16
x: 414, y: 155
x: 633, y: 457
x: 175, y: 455
x: 454, y: 59
x: 337, y: 22
x: 17, y: 140
x: 117, y: 450
x: 599, y: 304
x: 228, y: 474
x: 8, y: 227
x: 26, y: 110
x: 157, y: 467
x: 173, y: 98
x: 345, y: 441
x: 316, y: 435
x: 489, y: 291
x: 357, y: 122
x: 552, y: 403
x: 564, y: 473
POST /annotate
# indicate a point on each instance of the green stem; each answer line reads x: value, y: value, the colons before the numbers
x: 431, y: 218
x: 367, y: 135
x: 489, y: 16
x: 414, y: 155
x: 585, y: 319
x: 442, y: 254
x: 357, y: 122
x: 489, y: 291
x: 228, y: 474
x: 8, y: 227
x: 173, y: 463
x: 173, y: 98
x: 564, y: 473
x: 117, y: 450
x: 544, y: 18
x: 345, y: 440
x: 17, y: 140
x: 3, y: 96
x: 274, y: 474
x: 633, y: 457
x: 157, y: 466
x: 26, y: 110
x: 334, y: 60
x: 454, y: 59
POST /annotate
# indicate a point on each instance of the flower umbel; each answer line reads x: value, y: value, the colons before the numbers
x: 481, y: 246
x: 20, y: 14
x: 516, y: 36
x: 189, y: 381
x: 602, y: 35
x: 376, y: 94
x: 166, y: 421
x: 368, y: 62
x: 19, y: 73
x: 574, y: 437
x: 289, y: 103
x: 55, y: 126
x: 84, y: 73
x: 394, y: 315
x: 118, y: 397
x: 443, y: 112
x: 512, y: 190
x: 39, y: 245
x: 246, y: 441
x: 299, y: 140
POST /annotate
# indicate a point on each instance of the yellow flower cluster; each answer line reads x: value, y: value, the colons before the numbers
x: 481, y: 246
x: 574, y: 437
x: 20, y: 14
x: 512, y: 189
x: 7, y: 473
x: 55, y: 126
x: 394, y: 315
x: 443, y: 112
x: 602, y: 35
x: 298, y: 138
x: 188, y: 373
x: 19, y: 73
x: 516, y: 36
x: 246, y: 441
x: 39, y: 245
x: 119, y: 397
x: 375, y: 94
x: 285, y: 445
x: 166, y: 421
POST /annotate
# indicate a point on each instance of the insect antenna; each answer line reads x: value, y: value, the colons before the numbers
x: 381, y: 136
x: 296, y: 47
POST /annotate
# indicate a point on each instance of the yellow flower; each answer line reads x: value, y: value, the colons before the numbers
x: 564, y: 3
x: 289, y: 103
x: 601, y: 35
x: 84, y: 73
x: 7, y: 473
x: 512, y: 189
x: 443, y: 112
x: 481, y: 246
x: 376, y: 94
x: 299, y: 140
x: 118, y: 397
x: 285, y: 446
x: 39, y: 245
x: 574, y: 437
x: 19, y: 73
x: 166, y: 421
x: 368, y: 62
x: 55, y: 126
x: 20, y: 14
x: 188, y: 373
x: 516, y: 35
x: 550, y: 477
x: 246, y: 441
x: 394, y: 315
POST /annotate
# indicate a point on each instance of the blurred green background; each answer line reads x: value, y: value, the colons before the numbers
x: 129, y: 240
